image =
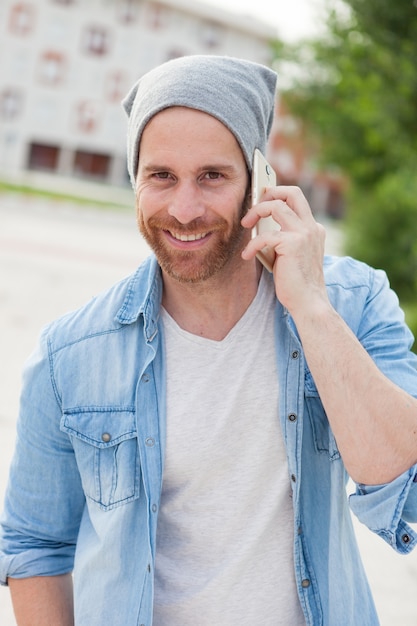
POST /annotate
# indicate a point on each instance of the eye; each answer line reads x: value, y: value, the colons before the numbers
x: 212, y: 175
x: 161, y: 175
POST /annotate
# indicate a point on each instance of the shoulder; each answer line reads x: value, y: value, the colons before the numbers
x: 107, y: 312
x: 361, y: 293
x: 345, y: 275
x: 348, y: 272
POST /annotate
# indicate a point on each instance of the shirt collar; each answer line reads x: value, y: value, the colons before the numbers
x: 143, y: 297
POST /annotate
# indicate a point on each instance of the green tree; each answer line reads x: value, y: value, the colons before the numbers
x: 358, y: 88
x: 356, y: 91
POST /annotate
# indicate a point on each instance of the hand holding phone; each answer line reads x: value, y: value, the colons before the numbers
x: 263, y: 176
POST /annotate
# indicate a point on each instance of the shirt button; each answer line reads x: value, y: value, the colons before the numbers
x: 150, y: 442
x: 305, y: 583
x: 295, y: 354
x: 154, y: 508
x: 292, y: 417
x: 406, y: 538
x: 145, y: 378
x: 106, y: 437
x: 293, y: 478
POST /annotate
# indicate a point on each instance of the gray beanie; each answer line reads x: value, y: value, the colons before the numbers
x: 237, y: 92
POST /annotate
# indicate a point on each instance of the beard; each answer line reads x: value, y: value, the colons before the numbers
x: 194, y: 266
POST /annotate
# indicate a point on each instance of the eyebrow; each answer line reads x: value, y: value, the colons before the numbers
x: 223, y: 168
x: 209, y: 167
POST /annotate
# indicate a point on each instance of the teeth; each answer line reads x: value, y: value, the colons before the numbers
x: 188, y: 237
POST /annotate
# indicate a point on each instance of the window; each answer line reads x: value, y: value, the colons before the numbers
x: 128, y: 11
x: 22, y: 18
x: 11, y: 103
x: 43, y: 157
x: 87, y: 116
x: 116, y: 86
x: 211, y: 34
x: 156, y: 16
x: 91, y: 165
x: 52, y: 67
x: 96, y: 40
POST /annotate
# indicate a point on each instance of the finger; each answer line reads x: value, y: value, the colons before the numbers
x: 281, y: 213
x: 264, y: 240
x: 292, y: 197
x: 263, y: 209
x: 286, y: 205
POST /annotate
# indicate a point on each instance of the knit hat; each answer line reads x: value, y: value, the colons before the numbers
x: 239, y: 93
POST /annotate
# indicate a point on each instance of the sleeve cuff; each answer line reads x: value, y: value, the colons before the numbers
x: 384, y: 509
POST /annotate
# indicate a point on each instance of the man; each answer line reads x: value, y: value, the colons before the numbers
x: 185, y: 438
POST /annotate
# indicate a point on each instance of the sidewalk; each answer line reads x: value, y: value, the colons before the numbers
x: 53, y: 258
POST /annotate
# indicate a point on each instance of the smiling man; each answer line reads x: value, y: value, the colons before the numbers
x: 186, y: 438
x: 191, y: 195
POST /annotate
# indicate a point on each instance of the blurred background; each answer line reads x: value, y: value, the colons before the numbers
x: 345, y: 132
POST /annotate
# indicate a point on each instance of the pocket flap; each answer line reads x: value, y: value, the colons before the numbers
x: 102, y: 428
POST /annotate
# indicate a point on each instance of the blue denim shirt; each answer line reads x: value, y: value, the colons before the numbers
x: 85, y: 482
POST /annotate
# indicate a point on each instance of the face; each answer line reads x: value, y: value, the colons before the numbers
x: 191, y: 194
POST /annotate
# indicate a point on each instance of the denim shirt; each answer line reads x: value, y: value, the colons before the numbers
x: 85, y: 482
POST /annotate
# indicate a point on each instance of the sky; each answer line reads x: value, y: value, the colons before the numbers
x: 293, y: 19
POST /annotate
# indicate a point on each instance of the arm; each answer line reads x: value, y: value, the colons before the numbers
x: 42, y: 600
x: 44, y: 499
x: 373, y: 420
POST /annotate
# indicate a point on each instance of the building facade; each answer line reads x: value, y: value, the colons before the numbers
x: 65, y: 65
x: 295, y: 163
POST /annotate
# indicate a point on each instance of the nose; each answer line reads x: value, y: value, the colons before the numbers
x: 186, y: 203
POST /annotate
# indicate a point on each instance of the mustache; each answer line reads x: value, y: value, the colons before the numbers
x: 196, y: 225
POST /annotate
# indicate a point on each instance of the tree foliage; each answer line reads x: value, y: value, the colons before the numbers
x: 356, y: 90
x: 382, y: 229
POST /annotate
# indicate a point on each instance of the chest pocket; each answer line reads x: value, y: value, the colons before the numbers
x: 106, y: 451
x: 324, y: 441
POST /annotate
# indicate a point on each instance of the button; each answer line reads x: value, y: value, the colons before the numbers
x: 292, y: 417
x: 149, y: 567
x: 305, y: 583
x: 154, y: 508
x: 106, y: 437
x: 295, y: 354
x: 293, y: 478
x: 406, y: 538
x: 145, y: 378
x: 150, y: 442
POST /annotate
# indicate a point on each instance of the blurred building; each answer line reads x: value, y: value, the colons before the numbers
x: 294, y: 160
x: 66, y: 64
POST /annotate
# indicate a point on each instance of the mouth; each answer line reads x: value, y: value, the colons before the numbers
x: 189, y: 237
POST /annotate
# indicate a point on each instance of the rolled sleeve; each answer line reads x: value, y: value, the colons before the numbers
x: 44, y: 498
x: 33, y: 561
x: 386, y: 509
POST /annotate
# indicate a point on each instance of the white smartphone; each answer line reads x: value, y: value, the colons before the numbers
x: 263, y: 176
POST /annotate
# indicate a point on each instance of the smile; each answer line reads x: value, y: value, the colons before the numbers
x: 183, y: 237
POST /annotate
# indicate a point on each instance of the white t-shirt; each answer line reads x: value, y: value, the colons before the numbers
x: 224, y: 552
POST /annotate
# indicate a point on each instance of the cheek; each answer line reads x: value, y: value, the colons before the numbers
x: 140, y: 214
x: 144, y: 205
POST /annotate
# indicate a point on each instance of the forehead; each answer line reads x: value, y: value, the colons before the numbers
x: 183, y: 124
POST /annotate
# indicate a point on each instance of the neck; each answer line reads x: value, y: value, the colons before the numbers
x: 212, y: 308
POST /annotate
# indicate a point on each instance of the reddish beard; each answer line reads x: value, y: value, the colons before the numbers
x: 192, y: 266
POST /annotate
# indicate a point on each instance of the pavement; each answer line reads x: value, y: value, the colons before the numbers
x: 54, y: 256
